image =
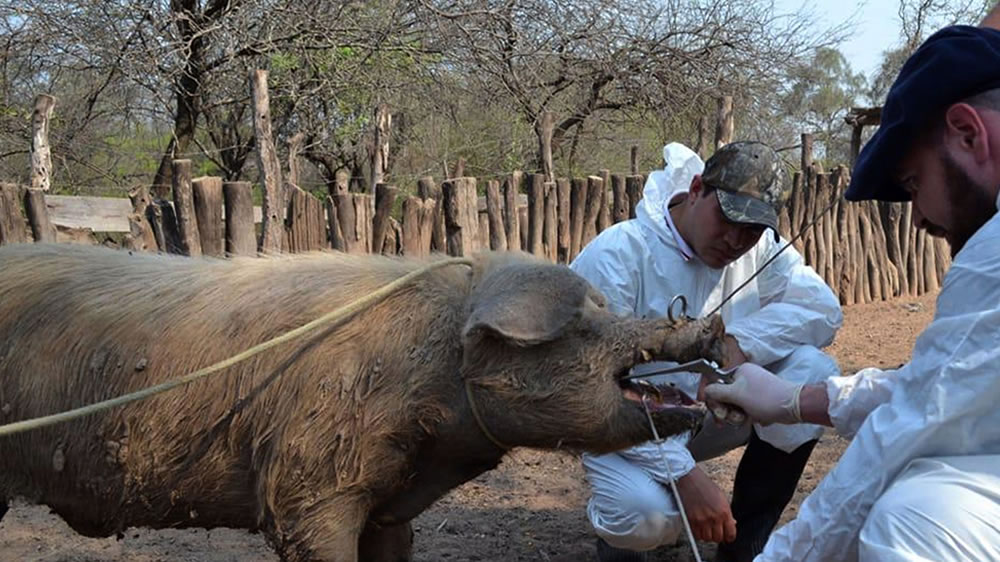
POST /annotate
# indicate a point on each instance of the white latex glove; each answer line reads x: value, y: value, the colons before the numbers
x: 764, y: 397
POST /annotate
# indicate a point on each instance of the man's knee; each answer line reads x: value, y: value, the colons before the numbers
x: 911, y: 522
x: 641, y: 530
x: 633, y: 512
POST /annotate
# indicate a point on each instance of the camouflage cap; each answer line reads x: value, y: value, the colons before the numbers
x: 747, y: 178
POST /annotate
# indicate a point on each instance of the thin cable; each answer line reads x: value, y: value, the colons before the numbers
x: 775, y: 256
x: 673, y: 485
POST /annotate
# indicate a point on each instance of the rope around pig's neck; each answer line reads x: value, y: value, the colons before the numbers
x: 479, y: 419
x: 330, y: 319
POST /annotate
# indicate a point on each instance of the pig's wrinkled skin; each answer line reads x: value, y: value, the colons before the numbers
x: 332, y: 443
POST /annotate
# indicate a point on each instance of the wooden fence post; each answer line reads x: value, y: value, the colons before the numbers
x: 38, y: 217
x: 187, y: 222
x: 428, y: 190
x: 240, y: 237
x: 41, y: 155
x: 550, y: 234
x: 139, y: 228
x: 305, y: 225
x: 563, y: 189
x: 604, y: 216
x: 577, y: 210
x: 633, y: 188
x: 461, y: 215
x: 272, y: 226
x: 385, y: 198
x: 511, y: 216
x: 592, y: 209
x: 207, y: 192
x: 494, y: 210
x: 536, y: 213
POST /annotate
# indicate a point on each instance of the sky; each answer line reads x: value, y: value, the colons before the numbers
x: 876, y: 26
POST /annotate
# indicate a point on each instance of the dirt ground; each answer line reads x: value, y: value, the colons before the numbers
x: 530, y: 508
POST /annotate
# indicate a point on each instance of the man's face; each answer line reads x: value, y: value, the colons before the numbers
x: 715, y: 240
x: 947, y: 201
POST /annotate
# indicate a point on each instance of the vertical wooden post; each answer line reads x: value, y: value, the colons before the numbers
x: 139, y: 228
x: 536, y: 213
x: 550, y: 235
x: 522, y: 217
x: 428, y: 190
x: 164, y: 222
x: 577, y: 210
x: 724, y: 121
x: 592, y: 209
x: 461, y: 215
x: 348, y: 224
x: 41, y: 155
x: 855, y: 143
x: 544, y: 129
x: 272, y: 226
x: 604, y: 216
x: 305, y: 227
x: 187, y: 222
x: 483, y: 240
x: 563, y: 190
x: 207, y: 192
x: 385, y: 198
x: 240, y: 238
x: 417, y: 226
x: 494, y: 210
x: 807, y: 151
x: 38, y: 216
x: 511, y: 217
x: 620, y: 205
x: 633, y: 187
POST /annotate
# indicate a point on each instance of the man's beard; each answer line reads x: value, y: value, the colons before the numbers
x: 971, y: 205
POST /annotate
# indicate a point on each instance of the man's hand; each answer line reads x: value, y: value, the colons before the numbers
x: 706, y: 507
x: 733, y: 356
x: 764, y: 397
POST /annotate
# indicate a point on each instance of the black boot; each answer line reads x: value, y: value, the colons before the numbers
x: 765, y: 483
x: 608, y: 553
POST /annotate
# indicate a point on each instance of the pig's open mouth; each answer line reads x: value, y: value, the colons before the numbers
x: 657, y: 396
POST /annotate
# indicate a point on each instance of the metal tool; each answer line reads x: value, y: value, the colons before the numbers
x: 700, y: 366
x: 684, y: 308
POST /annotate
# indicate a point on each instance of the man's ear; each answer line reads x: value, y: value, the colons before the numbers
x: 696, y: 187
x: 966, y: 134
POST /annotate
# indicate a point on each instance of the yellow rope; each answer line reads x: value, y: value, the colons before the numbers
x: 341, y: 313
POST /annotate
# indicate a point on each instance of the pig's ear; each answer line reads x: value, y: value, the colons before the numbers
x: 526, y: 305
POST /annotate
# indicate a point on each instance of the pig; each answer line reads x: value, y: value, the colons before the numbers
x: 329, y: 444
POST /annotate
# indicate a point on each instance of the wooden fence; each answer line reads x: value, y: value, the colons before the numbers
x: 864, y: 251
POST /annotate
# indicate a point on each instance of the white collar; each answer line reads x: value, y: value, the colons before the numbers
x: 682, y: 246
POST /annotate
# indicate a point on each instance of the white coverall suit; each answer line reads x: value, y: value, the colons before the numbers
x: 921, y: 478
x: 780, y: 319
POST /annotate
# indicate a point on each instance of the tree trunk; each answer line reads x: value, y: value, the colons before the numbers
x: 511, y: 216
x: 41, y: 155
x: 544, y: 129
x: 385, y: 198
x: 723, y: 121
x: 380, y: 152
x: 577, y: 209
x: 38, y: 216
x: 550, y: 236
x: 272, y: 226
x: 536, y: 213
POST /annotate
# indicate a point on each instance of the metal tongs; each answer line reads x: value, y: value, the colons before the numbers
x: 700, y: 366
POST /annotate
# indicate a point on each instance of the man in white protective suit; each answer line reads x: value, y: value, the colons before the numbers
x: 921, y: 477
x: 701, y: 230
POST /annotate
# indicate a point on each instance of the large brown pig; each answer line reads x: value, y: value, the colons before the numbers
x: 330, y: 444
